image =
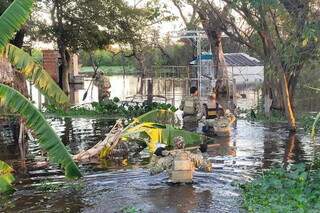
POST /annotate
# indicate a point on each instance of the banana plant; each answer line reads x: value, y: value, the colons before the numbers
x: 35, y: 73
x: 6, y: 178
x: 47, y: 138
x: 156, y: 127
x: 161, y: 133
x: 11, y: 21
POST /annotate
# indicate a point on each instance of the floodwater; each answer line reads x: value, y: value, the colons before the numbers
x: 169, y: 90
x: 113, y: 187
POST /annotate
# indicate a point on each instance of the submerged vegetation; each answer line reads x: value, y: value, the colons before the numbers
x: 279, y: 190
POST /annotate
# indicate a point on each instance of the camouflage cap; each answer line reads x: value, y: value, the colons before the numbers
x: 179, y: 142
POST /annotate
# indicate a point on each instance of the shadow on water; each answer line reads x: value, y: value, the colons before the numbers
x: 42, y: 187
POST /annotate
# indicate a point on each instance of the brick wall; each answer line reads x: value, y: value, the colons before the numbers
x: 50, y: 63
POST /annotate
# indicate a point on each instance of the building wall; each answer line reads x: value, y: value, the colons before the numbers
x: 50, y: 63
x: 247, y: 75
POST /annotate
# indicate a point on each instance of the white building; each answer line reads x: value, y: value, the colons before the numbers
x: 246, y: 73
x: 243, y: 69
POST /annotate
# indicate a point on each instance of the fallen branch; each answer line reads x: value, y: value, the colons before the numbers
x: 111, y: 140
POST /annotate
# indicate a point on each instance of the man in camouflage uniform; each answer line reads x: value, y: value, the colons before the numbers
x: 192, y: 110
x: 103, y: 84
x: 179, y: 163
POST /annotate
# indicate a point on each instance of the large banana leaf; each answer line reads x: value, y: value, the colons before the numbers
x: 24, y: 63
x: 13, y: 18
x: 160, y: 116
x: 6, y: 177
x: 164, y: 134
x: 46, y: 136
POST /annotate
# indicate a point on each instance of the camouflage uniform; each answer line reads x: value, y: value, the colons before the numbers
x: 170, y: 162
x: 103, y: 84
x: 192, y: 112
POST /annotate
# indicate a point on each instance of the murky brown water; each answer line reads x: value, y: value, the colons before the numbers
x: 111, y: 188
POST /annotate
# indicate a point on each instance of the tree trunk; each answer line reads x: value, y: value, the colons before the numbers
x: 150, y: 91
x: 65, y: 57
x: 6, y: 72
x: 287, y: 100
x: 19, y: 37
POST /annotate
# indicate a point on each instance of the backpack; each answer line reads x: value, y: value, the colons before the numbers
x: 189, y: 106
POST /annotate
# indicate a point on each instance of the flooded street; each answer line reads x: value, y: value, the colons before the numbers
x: 111, y: 188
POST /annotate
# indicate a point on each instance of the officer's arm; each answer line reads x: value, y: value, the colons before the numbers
x: 199, y: 110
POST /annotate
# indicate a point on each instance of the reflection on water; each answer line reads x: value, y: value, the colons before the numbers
x: 237, y: 159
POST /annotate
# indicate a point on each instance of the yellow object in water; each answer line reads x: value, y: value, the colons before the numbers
x: 154, y: 133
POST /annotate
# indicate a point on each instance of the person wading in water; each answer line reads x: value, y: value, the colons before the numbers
x: 192, y: 110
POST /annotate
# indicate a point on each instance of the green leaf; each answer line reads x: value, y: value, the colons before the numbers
x: 157, y: 116
x: 314, y: 126
x: 13, y: 18
x: 24, y: 63
x: 46, y: 136
x: 6, y: 177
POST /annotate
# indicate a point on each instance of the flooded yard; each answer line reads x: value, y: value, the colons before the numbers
x: 111, y: 187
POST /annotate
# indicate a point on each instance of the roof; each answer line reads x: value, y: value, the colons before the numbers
x: 233, y: 59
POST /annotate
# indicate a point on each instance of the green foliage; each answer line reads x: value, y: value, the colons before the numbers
x: 6, y: 178
x: 23, y: 62
x: 37, y: 56
x: 315, y: 125
x: 159, y: 126
x: 275, y: 116
x: 278, y: 190
x: 308, y: 122
x: 157, y: 114
x: 47, y: 138
x: 106, y: 58
x: 13, y: 18
x: 130, y: 209
x: 111, y: 109
x: 112, y: 70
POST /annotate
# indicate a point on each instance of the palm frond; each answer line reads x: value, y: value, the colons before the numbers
x: 24, y: 63
x: 6, y: 177
x: 13, y: 18
x: 47, y: 138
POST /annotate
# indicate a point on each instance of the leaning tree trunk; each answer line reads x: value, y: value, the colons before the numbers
x: 221, y: 73
x: 220, y: 68
x: 285, y: 88
x: 288, y: 100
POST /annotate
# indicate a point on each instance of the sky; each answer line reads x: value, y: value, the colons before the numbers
x: 166, y: 27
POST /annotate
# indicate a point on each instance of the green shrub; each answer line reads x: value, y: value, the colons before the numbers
x: 279, y: 190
